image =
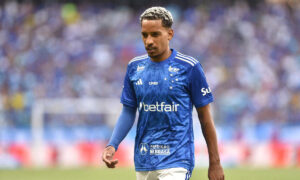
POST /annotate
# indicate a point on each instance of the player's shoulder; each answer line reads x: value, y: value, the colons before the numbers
x: 138, y: 59
x: 186, y: 60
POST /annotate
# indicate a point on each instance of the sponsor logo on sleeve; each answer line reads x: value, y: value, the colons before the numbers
x: 205, y: 91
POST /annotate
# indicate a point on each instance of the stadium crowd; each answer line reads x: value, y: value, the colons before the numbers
x: 251, y: 57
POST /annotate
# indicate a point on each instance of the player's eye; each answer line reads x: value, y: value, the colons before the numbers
x: 144, y: 35
x: 155, y: 34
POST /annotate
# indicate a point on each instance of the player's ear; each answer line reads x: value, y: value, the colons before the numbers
x: 170, y: 33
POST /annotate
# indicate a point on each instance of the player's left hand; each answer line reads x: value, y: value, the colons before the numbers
x: 215, y: 172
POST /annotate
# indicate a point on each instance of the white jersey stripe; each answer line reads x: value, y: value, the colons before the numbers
x: 188, y: 61
x: 142, y: 56
x: 135, y: 60
x: 138, y: 58
x: 187, y: 57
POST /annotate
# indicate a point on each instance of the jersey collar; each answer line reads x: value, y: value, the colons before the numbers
x: 173, y: 54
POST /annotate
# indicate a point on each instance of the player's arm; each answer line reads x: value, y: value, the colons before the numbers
x: 124, y: 124
x: 215, y: 171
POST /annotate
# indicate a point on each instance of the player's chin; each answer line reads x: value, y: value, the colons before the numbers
x: 152, y: 54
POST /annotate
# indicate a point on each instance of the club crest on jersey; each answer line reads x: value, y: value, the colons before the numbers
x: 140, y: 68
x: 143, y: 148
x: 173, y: 69
x: 139, y: 82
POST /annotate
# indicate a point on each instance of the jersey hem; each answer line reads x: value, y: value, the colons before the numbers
x: 164, y: 167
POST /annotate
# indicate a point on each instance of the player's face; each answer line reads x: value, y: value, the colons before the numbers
x: 156, y: 38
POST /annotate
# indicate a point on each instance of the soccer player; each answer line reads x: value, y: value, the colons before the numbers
x: 164, y: 85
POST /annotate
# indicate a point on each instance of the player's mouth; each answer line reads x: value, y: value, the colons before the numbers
x: 150, y: 50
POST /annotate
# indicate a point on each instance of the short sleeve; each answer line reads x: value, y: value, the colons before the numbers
x: 128, y: 94
x: 200, y: 92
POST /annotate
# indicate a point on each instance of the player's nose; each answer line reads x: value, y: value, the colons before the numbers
x: 149, y: 41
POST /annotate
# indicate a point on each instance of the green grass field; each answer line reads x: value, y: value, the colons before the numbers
x: 128, y: 174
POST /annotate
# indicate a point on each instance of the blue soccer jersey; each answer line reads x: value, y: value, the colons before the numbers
x: 164, y: 93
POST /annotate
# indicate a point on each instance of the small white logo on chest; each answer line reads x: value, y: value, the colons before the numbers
x: 140, y: 68
x: 153, y: 83
x: 139, y: 82
x: 173, y: 69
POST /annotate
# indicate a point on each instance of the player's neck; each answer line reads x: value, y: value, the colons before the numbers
x: 163, y: 56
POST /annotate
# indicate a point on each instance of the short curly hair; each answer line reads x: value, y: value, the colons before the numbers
x: 155, y: 13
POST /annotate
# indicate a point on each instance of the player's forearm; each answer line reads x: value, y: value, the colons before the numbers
x: 210, y: 136
x: 123, y: 126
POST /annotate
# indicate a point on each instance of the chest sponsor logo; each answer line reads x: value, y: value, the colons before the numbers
x: 159, y: 107
x: 140, y: 68
x: 173, y: 69
x: 139, y: 82
x: 205, y: 91
x: 143, y: 148
x: 153, y: 83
